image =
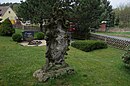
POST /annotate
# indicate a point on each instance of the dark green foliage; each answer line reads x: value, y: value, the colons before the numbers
x: 80, y: 35
x: 89, y: 45
x: 85, y: 13
x: 17, y: 37
x: 6, y: 4
x: 112, y: 19
x: 40, y: 36
x: 126, y: 57
x: 36, y: 12
x: 6, y: 28
x: 108, y: 14
x: 117, y: 21
x: 90, y: 14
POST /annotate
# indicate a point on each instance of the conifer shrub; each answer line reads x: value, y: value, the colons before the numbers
x: 17, y: 37
x: 6, y: 28
x: 89, y: 45
x: 40, y: 35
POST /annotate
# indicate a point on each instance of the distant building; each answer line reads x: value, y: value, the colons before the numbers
x: 103, y: 26
x: 7, y: 12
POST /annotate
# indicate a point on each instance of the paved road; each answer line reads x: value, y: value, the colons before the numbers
x: 121, y: 38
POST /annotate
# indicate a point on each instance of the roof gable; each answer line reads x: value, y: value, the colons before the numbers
x: 3, y: 9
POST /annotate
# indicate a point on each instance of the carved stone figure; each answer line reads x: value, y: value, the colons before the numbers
x: 57, y: 41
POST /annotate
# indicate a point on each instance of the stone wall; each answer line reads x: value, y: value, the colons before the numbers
x: 121, y: 43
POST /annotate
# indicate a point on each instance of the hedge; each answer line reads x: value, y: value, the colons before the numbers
x: 17, y: 37
x: 89, y: 45
x: 126, y: 57
x: 40, y: 35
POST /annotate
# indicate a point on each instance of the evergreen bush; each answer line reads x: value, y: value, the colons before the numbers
x: 89, y: 45
x: 17, y: 37
x: 6, y: 28
x: 40, y: 35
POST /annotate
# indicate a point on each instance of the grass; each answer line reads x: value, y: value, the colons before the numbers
x: 97, y: 68
x: 119, y: 34
x: 19, y: 31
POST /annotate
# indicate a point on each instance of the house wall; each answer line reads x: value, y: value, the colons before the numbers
x: 103, y: 27
x: 11, y: 15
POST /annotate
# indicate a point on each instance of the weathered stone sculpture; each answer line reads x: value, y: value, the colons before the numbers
x: 57, y: 47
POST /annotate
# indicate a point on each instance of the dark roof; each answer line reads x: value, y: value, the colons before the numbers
x: 3, y: 9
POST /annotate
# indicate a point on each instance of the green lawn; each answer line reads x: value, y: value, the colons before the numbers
x: 19, y: 31
x: 98, y: 68
x: 120, y: 34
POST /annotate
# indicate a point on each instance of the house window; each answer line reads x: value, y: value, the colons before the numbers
x: 0, y: 10
x: 0, y: 14
x: 9, y: 12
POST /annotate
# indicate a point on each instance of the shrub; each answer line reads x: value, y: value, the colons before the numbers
x: 40, y: 35
x: 80, y: 35
x: 89, y: 45
x: 17, y: 37
x: 126, y: 57
x: 6, y: 28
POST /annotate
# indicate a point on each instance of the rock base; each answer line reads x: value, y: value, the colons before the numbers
x: 52, y: 74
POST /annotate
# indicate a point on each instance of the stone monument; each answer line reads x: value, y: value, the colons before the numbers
x: 57, y: 41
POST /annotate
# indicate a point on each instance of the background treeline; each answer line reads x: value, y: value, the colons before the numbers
x: 123, y: 15
x: 14, y: 6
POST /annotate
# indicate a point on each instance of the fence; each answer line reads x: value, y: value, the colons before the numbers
x: 31, y: 28
x: 118, y: 42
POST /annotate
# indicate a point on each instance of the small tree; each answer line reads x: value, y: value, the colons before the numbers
x: 108, y: 13
x: 88, y: 14
x: 6, y: 28
x: 37, y: 10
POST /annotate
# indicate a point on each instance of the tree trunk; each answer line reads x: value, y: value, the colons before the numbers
x: 41, y: 27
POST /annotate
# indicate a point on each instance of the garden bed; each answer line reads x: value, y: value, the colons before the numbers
x: 25, y: 43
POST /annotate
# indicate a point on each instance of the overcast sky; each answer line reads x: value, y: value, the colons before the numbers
x: 114, y: 3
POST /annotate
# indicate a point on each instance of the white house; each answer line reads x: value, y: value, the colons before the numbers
x: 7, y: 12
